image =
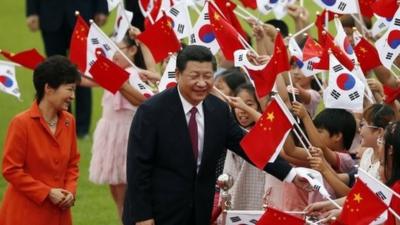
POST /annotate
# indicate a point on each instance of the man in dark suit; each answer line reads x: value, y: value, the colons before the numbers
x: 175, y: 141
x: 56, y: 20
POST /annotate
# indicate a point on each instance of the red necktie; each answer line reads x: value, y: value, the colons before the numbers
x: 193, y: 132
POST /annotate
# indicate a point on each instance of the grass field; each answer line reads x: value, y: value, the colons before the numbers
x: 94, y: 204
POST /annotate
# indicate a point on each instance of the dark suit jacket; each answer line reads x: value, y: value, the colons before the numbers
x: 53, y: 12
x: 161, y: 170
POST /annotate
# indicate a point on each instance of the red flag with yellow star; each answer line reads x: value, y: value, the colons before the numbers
x: 265, y: 140
x: 29, y: 58
x: 367, y: 55
x: 108, y: 74
x: 274, y: 216
x: 160, y: 30
x: 78, y: 44
x: 226, y: 35
x: 362, y: 206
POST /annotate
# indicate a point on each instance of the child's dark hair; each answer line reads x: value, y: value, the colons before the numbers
x: 138, y: 59
x: 54, y: 71
x: 337, y: 121
x: 392, y: 140
x: 233, y: 77
x: 249, y: 88
x: 379, y: 115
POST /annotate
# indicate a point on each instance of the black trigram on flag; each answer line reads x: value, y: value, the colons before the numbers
x: 337, y: 68
x: 253, y: 221
x: 95, y: 41
x: 335, y: 94
x: 106, y: 47
x: 171, y: 74
x: 206, y: 16
x: 192, y: 39
x: 389, y: 56
x: 9, y: 72
x: 381, y: 195
x: 141, y: 87
x: 181, y: 28
x: 354, y: 95
x: 342, y: 6
x: 267, y: 7
x: 240, y: 58
x: 316, y: 187
x: 382, y: 25
x: 91, y: 62
x: 235, y: 219
x: 397, y: 22
x: 310, y: 65
x: 174, y: 11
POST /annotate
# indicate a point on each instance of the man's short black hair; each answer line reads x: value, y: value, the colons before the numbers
x: 194, y: 53
x: 337, y: 121
x: 54, y: 71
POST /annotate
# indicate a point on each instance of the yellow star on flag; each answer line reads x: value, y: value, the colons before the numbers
x: 270, y: 116
x: 357, y: 198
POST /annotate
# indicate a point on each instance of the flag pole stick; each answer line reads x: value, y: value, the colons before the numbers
x: 309, y: 26
x: 361, y: 22
x: 378, y: 181
x: 394, y: 213
x: 194, y: 7
x: 249, y: 14
x: 302, y: 143
x: 394, y: 74
x: 318, y: 82
x: 333, y: 202
x: 292, y: 86
x: 114, y: 45
x: 220, y: 93
x: 9, y: 63
x: 363, y: 28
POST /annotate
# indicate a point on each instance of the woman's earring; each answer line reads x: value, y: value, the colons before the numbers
x: 379, y: 141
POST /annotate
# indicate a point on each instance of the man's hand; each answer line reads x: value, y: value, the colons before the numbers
x: 146, y: 222
x: 33, y: 22
x: 100, y: 19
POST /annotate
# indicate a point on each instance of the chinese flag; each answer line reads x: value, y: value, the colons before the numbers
x: 151, y: 8
x: 227, y: 36
x: 329, y: 44
x: 362, y: 206
x: 107, y: 74
x: 366, y: 7
x: 78, y: 44
x: 367, y: 55
x: 274, y: 216
x: 263, y: 87
x: 160, y: 30
x: 279, y: 62
x: 227, y: 8
x: 273, y: 126
x: 311, y: 49
x: 252, y: 4
x: 29, y: 58
x: 391, y: 94
x: 320, y: 21
x: 385, y: 8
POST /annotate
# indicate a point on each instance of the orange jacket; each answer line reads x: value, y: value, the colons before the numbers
x: 34, y: 162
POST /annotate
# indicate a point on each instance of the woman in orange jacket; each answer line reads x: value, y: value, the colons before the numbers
x: 40, y: 159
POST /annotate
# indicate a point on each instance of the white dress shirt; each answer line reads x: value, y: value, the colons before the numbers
x: 200, y: 124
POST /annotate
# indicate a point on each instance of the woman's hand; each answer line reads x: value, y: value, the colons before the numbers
x: 56, y: 195
x: 68, y: 201
x: 147, y: 75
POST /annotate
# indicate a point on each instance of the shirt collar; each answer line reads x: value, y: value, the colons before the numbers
x: 187, y: 106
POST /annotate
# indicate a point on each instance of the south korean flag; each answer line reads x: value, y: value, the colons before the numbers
x: 138, y: 84
x: 122, y: 23
x: 388, y: 45
x: 345, y: 90
x: 265, y: 6
x: 180, y: 16
x: 241, y: 60
x: 306, y: 66
x: 381, y: 24
x: 97, y: 43
x: 240, y: 217
x: 8, y: 82
x: 168, y: 78
x: 339, y: 6
x: 203, y: 32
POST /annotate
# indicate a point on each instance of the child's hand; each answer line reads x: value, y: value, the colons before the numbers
x: 299, y: 110
x: 317, y: 160
x: 237, y: 102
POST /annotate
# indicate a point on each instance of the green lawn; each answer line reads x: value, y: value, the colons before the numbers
x: 94, y: 204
